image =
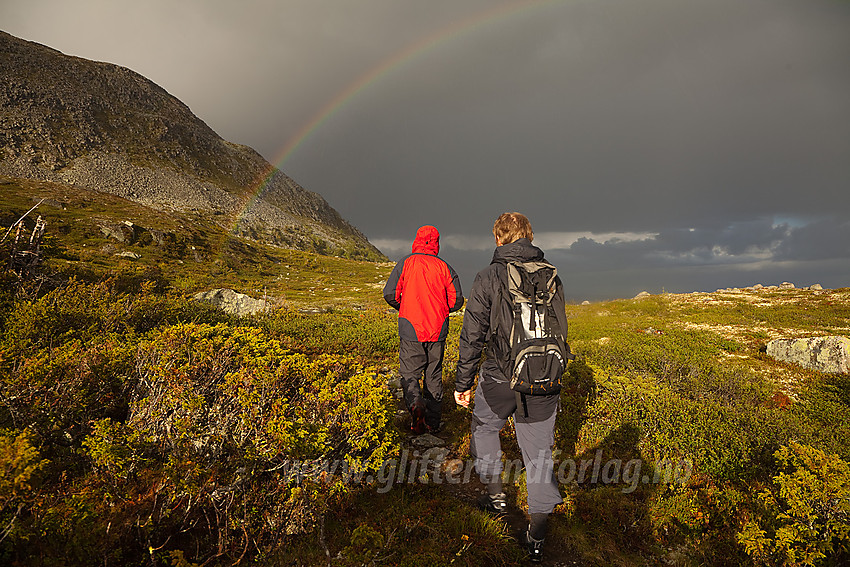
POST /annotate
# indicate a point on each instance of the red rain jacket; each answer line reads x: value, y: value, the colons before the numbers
x: 424, y: 289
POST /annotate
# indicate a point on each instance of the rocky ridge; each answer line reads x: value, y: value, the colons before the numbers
x: 103, y: 127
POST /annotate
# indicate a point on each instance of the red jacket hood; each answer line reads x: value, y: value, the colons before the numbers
x: 427, y: 241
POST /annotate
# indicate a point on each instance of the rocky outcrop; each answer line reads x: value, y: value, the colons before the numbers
x: 784, y: 286
x: 232, y: 302
x: 824, y: 354
x: 122, y: 232
x: 103, y: 127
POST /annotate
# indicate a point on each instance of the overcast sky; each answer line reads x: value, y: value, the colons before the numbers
x: 658, y: 145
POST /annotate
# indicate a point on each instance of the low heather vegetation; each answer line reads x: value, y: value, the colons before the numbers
x: 138, y: 427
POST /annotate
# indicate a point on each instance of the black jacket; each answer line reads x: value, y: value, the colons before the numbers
x: 479, y: 331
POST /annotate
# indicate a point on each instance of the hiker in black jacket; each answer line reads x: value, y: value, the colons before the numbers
x: 495, y: 401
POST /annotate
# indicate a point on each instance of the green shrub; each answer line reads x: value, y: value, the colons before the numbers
x: 67, y: 358
x: 20, y: 470
x: 367, y: 334
x: 19, y: 464
x: 701, y: 517
x: 824, y: 412
x: 58, y: 391
x: 805, y: 515
x: 221, y: 415
x: 84, y: 311
x: 728, y: 442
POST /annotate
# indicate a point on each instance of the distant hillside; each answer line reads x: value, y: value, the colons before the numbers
x: 103, y: 127
x: 92, y: 235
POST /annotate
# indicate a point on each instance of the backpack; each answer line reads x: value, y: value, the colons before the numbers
x: 538, y: 348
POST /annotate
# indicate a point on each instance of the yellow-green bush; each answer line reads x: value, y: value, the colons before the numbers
x: 805, y: 516
x: 19, y: 466
x: 220, y: 415
x: 154, y: 424
x: 203, y: 390
x: 369, y: 333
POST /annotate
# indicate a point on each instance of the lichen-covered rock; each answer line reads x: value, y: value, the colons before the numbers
x: 122, y: 232
x: 824, y: 354
x: 232, y: 302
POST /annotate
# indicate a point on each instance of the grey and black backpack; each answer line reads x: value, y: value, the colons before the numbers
x: 538, y: 348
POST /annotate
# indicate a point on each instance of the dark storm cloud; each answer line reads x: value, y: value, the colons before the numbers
x: 825, y: 240
x: 656, y: 144
x: 254, y: 70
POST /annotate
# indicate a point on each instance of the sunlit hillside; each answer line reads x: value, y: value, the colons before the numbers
x: 88, y: 234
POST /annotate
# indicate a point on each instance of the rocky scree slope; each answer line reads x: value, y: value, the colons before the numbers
x: 104, y: 127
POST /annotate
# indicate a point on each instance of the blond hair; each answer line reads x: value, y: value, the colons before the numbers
x: 510, y: 227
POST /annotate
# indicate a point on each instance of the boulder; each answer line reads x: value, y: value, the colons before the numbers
x: 232, y: 302
x: 824, y: 354
x: 124, y: 231
x: 816, y: 287
x: 130, y: 255
x: 786, y: 285
x: 642, y: 294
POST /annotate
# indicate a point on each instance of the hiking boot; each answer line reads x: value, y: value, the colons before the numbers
x: 494, y: 503
x: 534, y: 547
x: 417, y: 420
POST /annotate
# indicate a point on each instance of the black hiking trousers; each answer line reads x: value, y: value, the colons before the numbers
x: 423, y: 361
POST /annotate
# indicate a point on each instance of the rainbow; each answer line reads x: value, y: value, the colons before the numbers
x: 407, y: 54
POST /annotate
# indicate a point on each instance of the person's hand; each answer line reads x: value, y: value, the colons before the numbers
x: 463, y: 398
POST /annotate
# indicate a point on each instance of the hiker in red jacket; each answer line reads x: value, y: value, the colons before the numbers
x: 424, y: 289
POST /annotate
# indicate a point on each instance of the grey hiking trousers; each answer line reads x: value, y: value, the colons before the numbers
x: 535, y: 440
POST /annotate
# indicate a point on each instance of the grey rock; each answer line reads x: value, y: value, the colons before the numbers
x: 310, y: 310
x: 232, y: 302
x: 786, y: 285
x: 130, y: 255
x: 438, y: 454
x: 830, y: 354
x: 816, y: 287
x: 427, y: 440
x: 434, y: 457
x: 121, y: 231
x: 393, y: 380
x: 585, y: 302
x: 642, y: 294
x: 159, y: 237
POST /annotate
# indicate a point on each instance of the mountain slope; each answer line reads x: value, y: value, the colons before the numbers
x: 94, y: 236
x: 103, y: 127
